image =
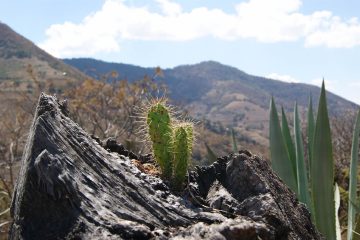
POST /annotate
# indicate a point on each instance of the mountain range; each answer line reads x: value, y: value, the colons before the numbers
x: 228, y: 97
x: 223, y: 93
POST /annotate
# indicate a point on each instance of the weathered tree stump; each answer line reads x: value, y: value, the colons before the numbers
x: 71, y: 187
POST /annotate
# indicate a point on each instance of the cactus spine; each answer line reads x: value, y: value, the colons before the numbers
x: 160, y: 132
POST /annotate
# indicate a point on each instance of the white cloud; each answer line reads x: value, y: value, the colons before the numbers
x: 70, y: 39
x: 284, y: 78
x: 263, y: 20
x: 170, y: 8
x: 337, y: 34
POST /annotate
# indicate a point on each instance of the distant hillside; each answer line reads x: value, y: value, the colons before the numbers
x: 190, y: 82
x: 223, y: 94
x: 19, y: 56
x: 97, y: 68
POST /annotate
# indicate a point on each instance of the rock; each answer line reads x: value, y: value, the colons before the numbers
x: 71, y: 186
x: 219, y: 198
x: 245, y: 185
x: 238, y: 228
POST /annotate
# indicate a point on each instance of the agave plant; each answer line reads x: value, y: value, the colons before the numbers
x: 314, y: 182
x: 211, y: 156
x: 234, y: 143
x: 353, y: 231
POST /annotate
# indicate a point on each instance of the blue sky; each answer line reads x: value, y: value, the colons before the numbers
x: 290, y: 40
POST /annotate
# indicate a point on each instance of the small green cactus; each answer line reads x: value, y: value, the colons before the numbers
x: 183, y: 139
x: 171, y: 142
x: 160, y: 132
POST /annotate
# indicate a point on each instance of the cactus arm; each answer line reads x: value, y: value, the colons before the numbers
x: 160, y: 133
x: 181, y: 156
x: 183, y: 141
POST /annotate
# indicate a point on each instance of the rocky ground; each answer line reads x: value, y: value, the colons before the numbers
x: 73, y: 186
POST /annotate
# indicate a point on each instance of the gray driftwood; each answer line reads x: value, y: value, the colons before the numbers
x: 72, y: 187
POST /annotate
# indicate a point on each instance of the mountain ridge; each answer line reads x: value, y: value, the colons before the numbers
x: 225, y: 94
x: 211, y: 70
x: 21, y: 61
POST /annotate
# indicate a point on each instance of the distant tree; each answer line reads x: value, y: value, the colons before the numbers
x: 108, y: 107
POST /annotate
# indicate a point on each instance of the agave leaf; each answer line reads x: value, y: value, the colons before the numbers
x: 234, y: 144
x: 289, y: 142
x: 310, y: 130
x: 354, y: 205
x: 302, y: 179
x: 279, y: 155
x: 356, y: 232
x: 310, y: 135
x: 353, y: 177
x: 210, y: 154
x: 322, y: 172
